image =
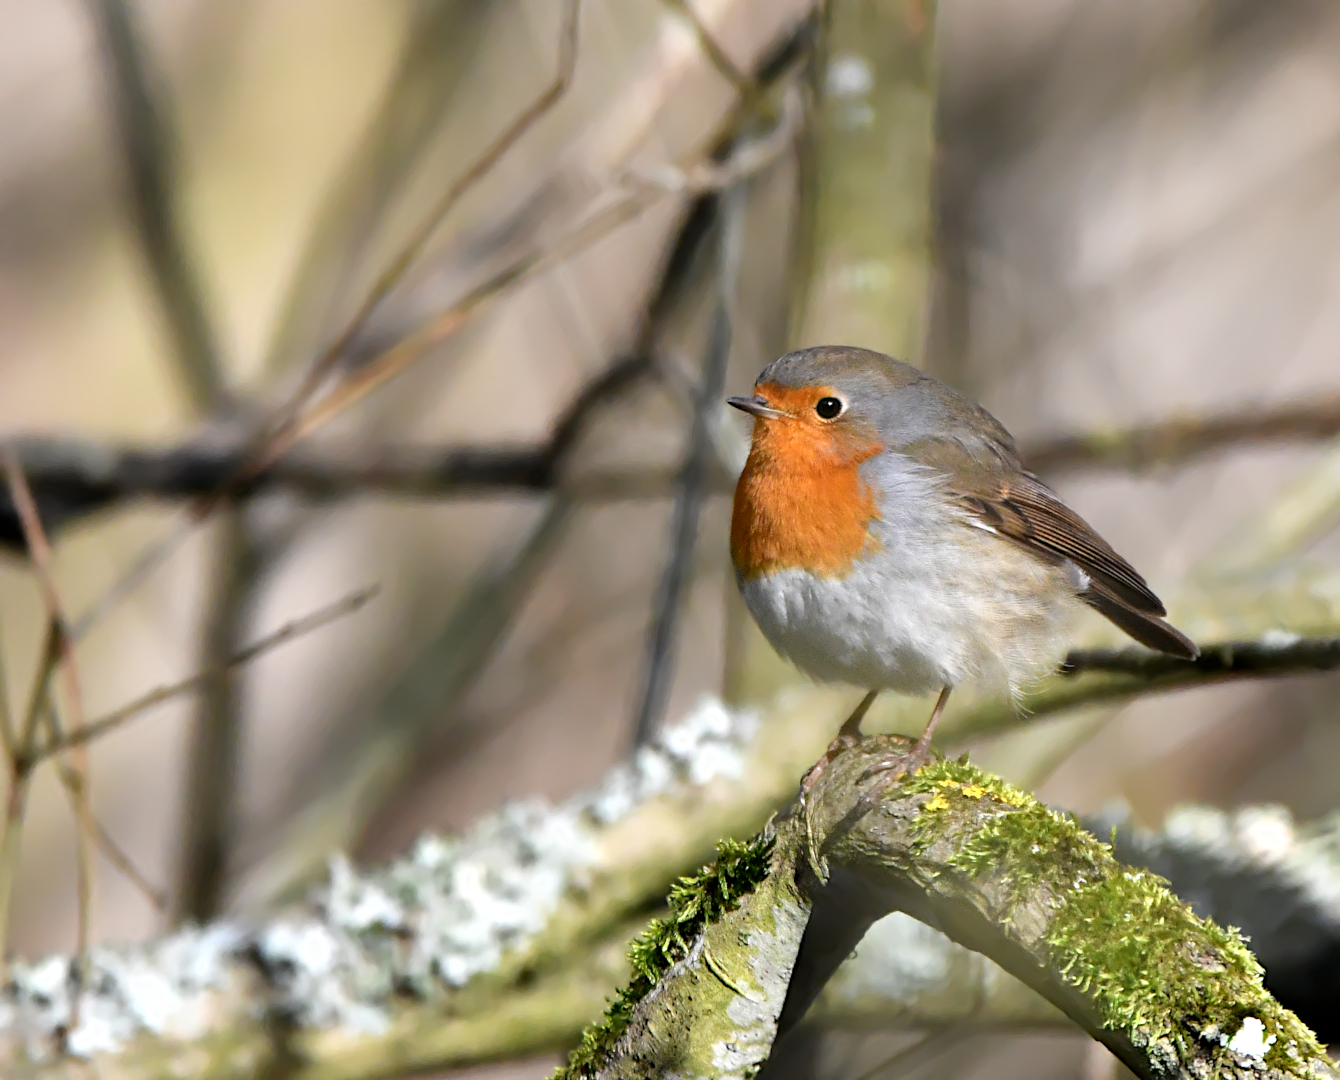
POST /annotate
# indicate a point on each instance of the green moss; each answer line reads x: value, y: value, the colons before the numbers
x: 694, y: 902
x: 1153, y: 968
x: 1146, y: 959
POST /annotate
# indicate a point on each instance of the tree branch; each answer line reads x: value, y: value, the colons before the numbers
x: 691, y: 483
x: 717, y: 984
x: 148, y: 145
x: 396, y: 971
x: 73, y: 477
x: 1179, y: 440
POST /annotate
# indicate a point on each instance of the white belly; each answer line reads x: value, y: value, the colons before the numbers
x: 914, y: 618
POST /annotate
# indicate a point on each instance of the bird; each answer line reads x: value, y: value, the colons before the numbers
x: 885, y: 534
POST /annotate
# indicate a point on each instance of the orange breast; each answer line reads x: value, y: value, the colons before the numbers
x: 800, y: 502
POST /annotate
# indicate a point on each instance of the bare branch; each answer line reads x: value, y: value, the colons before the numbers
x: 104, y: 725
x: 1277, y: 654
x: 1180, y: 440
x: 725, y: 66
x: 235, y: 569
x: 424, y: 699
x: 143, y: 115
x: 691, y: 484
x: 60, y: 652
x: 280, y: 437
x: 1090, y: 677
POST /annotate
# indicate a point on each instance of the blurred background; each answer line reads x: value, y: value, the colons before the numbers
x: 1085, y: 213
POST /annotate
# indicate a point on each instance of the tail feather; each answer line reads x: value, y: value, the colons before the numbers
x: 1148, y: 629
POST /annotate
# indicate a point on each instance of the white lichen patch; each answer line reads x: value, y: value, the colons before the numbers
x: 710, y: 742
x: 1251, y: 1040
x: 164, y: 987
x: 426, y: 923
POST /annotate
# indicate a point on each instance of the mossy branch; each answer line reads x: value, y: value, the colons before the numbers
x: 1172, y: 995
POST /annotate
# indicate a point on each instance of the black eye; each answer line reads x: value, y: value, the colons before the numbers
x: 829, y: 408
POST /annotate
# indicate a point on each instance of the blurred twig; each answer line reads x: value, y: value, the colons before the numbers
x: 72, y: 782
x: 434, y: 682
x: 692, y: 481
x: 20, y: 774
x: 425, y: 697
x: 210, y: 782
x: 281, y: 435
x: 1179, y: 440
x: 73, y: 478
x: 104, y: 725
x: 440, y: 41
x: 285, y: 427
x: 143, y: 115
x: 725, y: 66
x: 59, y: 653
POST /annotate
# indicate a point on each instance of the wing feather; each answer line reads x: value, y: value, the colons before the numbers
x: 985, y: 477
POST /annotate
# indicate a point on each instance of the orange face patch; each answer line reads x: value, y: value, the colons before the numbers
x: 800, y: 502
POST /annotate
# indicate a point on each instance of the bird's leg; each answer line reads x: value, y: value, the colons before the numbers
x: 850, y: 730
x: 847, y: 735
x: 897, y: 765
x: 923, y: 748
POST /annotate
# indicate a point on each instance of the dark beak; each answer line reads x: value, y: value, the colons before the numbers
x: 755, y: 406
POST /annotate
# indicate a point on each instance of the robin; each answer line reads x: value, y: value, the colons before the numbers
x: 885, y: 534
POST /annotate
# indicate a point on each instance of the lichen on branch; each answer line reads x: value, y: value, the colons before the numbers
x: 1173, y: 995
x: 1179, y: 988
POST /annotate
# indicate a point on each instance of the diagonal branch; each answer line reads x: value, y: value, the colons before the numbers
x: 142, y: 112
x: 113, y: 721
x: 281, y: 434
x: 59, y: 653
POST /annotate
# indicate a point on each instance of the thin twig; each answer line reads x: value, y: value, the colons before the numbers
x: 143, y: 115
x: 424, y: 698
x: 692, y: 483
x: 1181, y: 439
x: 103, y: 725
x: 79, y: 478
x: 1225, y: 659
x: 19, y: 763
x: 289, y: 423
x: 126, y: 867
x: 395, y: 270
x: 640, y: 191
x: 1095, y: 676
x: 71, y: 782
x: 429, y: 75
x: 39, y: 551
x: 139, y: 571
x: 745, y: 86
x: 8, y: 736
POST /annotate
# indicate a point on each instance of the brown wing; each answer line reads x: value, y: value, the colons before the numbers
x: 990, y: 484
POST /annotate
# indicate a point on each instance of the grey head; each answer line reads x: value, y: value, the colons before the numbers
x: 894, y: 400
